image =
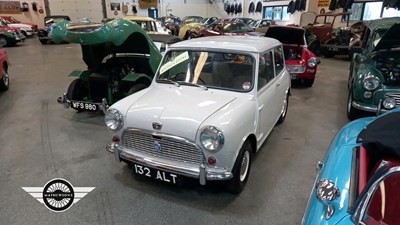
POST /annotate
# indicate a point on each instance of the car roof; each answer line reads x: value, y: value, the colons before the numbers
x: 383, y: 23
x: 233, y: 43
x: 138, y: 18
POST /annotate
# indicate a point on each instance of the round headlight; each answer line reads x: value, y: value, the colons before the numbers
x: 312, y: 62
x: 114, y: 119
x: 326, y: 190
x: 389, y: 103
x: 370, y: 83
x: 212, y: 138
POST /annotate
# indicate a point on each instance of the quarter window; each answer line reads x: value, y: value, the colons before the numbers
x: 279, y: 60
x: 265, y: 70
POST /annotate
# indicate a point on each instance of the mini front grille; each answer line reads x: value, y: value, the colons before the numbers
x: 296, y: 69
x: 162, y: 146
x: 396, y: 97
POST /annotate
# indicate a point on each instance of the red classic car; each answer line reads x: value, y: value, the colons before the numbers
x: 300, y: 62
x: 4, y: 80
x: 228, y: 28
x: 11, y: 19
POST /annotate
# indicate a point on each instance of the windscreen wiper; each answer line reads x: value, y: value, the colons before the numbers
x: 166, y: 81
x: 192, y: 84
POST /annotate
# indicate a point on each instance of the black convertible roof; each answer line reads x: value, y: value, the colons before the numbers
x: 381, y: 138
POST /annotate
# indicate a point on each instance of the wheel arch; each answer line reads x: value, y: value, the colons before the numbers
x: 253, y: 142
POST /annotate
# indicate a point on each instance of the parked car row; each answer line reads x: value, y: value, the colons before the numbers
x: 202, y: 110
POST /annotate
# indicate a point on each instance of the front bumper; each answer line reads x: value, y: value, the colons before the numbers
x: 369, y: 108
x: 200, y: 172
x: 67, y: 103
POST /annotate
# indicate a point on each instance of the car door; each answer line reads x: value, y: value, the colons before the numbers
x: 266, y: 88
x: 281, y: 81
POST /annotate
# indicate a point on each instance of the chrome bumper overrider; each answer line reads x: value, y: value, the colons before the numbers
x: 67, y: 103
x: 200, y: 172
x: 375, y: 109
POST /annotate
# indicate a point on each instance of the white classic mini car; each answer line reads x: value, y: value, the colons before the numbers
x: 211, y: 105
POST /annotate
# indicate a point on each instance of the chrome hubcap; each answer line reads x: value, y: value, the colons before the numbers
x: 5, y: 77
x: 3, y: 42
x: 285, y: 104
x: 245, y: 166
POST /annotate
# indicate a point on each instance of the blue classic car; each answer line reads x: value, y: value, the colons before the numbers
x: 358, y: 181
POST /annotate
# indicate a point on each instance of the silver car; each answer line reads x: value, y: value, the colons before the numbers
x: 210, y: 107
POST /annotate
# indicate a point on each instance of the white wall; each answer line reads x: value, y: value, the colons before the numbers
x: 77, y: 9
x: 31, y: 16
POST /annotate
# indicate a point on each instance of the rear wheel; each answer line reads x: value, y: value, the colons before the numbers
x: 284, y: 110
x: 352, y: 113
x: 241, y: 169
x: 4, y: 80
x: 315, y: 47
x: 328, y: 52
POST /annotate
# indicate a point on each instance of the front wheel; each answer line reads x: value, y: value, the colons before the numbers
x: 308, y: 82
x: 137, y: 87
x: 352, y: 113
x: 76, y: 91
x: 241, y: 169
x: 43, y: 41
x: 4, y: 80
x: 4, y: 42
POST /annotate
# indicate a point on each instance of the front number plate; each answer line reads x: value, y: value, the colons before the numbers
x: 156, y: 174
x: 293, y: 76
x: 85, y: 106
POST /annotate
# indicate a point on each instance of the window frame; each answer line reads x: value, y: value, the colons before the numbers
x: 280, y: 14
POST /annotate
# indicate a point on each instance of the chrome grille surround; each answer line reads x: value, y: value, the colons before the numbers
x: 396, y: 97
x: 173, y: 148
x: 296, y: 69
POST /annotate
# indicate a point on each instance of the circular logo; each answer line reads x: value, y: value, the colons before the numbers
x: 58, y: 195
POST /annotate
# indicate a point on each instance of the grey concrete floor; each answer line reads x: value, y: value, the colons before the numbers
x: 40, y: 140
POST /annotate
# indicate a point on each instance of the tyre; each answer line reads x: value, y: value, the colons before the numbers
x: 352, y: 113
x: 329, y: 53
x: 315, y: 47
x: 187, y: 36
x: 4, y: 80
x: 241, y: 169
x: 24, y: 33
x: 284, y: 110
x: 76, y: 91
x: 137, y: 87
x: 308, y: 82
x: 4, y: 42
x: 43, y: 41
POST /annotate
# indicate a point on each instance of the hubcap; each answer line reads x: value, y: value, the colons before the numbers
x: 5, y: 77
x: 245, y: 166
x: 349, y: 102
x: 284, y: 107
x: 3, y: 42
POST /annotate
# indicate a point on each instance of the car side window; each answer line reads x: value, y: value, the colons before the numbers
x: 385, y: 202
x: 265, y: 69
x: 279, y: 60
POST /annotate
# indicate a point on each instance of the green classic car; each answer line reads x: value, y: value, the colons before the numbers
x: 374, y: 79
x: 120, y: 57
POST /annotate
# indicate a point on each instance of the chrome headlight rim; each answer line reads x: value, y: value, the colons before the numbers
x: 114, y: 119
x: 389, y: 103
x: 370, y: 79
x: 211, y: 138
x: 312, y: 62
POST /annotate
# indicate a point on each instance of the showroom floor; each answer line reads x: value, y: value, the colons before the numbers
x: 40, y: 140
